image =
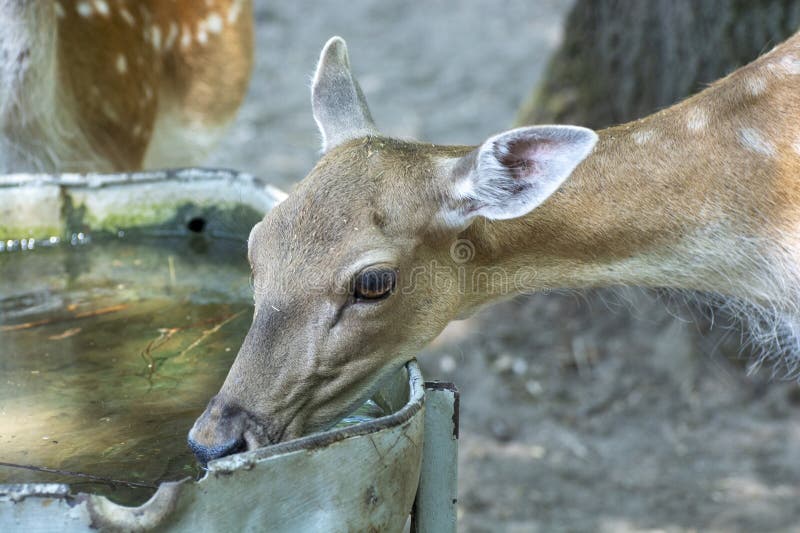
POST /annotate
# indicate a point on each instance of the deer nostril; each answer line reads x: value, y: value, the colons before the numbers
x: 204, y: 454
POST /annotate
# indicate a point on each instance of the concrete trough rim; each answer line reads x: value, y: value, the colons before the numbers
x: 108, y: 195
x: 99, y: 180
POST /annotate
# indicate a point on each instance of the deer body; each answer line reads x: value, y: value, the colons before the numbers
x: 117, y: 85
x: 355, y: 271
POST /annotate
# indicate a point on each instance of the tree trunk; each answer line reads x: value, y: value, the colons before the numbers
x: 623, y: 59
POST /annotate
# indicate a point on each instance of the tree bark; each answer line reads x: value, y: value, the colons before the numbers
x: 623, y: 59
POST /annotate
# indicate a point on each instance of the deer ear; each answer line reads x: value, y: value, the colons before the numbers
x: 513, y: 172
x: 340, y: 109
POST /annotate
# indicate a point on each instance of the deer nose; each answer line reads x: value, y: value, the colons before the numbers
x: 205, y: 453
x: 218, y: 432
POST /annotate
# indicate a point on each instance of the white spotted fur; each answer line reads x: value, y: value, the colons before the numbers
x: 756, y: 85
x: 755, y: 141
x: 696, y: 119
x: 642, y: 137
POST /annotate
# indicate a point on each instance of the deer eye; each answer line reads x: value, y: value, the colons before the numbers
x: 374, y: 284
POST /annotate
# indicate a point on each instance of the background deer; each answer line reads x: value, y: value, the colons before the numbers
x: 113, y: 85
x: 702, y: 196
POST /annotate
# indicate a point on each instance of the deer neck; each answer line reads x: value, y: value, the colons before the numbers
x: 700, y: 196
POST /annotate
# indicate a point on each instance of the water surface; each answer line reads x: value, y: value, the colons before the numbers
x: 109, y: 352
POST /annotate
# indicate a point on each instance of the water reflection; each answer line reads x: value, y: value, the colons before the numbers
x: 105, y: 367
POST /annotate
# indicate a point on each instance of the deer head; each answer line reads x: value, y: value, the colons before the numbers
x: 360, y: 266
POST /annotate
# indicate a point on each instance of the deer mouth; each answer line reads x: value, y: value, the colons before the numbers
x: 225, y: 429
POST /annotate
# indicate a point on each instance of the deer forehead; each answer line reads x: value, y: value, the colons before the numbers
x: 395, y: 181
x: 367, y: 195
x: 299, y: 246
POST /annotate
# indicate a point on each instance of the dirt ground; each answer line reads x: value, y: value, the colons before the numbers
x: 580, y: 412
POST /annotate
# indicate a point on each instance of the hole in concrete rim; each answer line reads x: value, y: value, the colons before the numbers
x: 196, y: 224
